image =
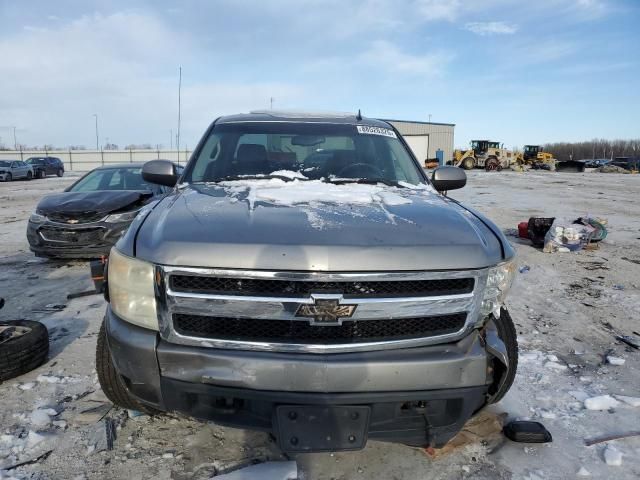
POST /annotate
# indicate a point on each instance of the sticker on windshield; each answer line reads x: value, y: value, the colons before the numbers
x: 369, y: 130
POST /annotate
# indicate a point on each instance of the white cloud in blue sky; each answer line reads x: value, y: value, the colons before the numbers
x: 518, y: 72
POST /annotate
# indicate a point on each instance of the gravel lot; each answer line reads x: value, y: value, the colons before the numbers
x: 568, y: 308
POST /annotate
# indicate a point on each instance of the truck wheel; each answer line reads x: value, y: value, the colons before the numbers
x: 507, y: 333
x: 24, y: 345
x: 110, y: 382
x: 41, y: 174
x: 60, y: 172
x: 468, y: 163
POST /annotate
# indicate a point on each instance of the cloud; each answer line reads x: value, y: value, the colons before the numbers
x: 123, y: 67
x: 386, y: 56
x: 491, y: 28
x: 431, y: 10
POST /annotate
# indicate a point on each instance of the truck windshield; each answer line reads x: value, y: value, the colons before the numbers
x: 331, y: 152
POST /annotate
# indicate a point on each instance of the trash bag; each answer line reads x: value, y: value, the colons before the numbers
x: 599, y: 224
x: 538, y: 228
x: 566, y: 236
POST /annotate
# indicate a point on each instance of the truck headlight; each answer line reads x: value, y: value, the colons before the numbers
x: 131, y: 291
x: 499, y: 282
x: 122, y: 217
x: 37, y: 218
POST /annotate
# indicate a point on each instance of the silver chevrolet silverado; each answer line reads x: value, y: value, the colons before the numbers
x: 305, y: 277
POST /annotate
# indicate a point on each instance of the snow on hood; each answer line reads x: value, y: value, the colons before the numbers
x: 316, y: 196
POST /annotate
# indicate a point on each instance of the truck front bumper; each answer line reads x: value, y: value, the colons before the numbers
x: 419, y: 396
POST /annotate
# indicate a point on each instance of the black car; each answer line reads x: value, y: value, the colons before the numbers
x: 87, y: 219
x: 43, y: 166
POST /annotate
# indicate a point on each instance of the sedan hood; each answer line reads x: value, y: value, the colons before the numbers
x: 90, y: 203
x: 314, y: 226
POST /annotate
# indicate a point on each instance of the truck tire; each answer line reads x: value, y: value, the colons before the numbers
x: 24, y: 345
x: 507, y: 333
x: 492, y: 163
x: 41, y: 174
x: 60, y: 172
x: 468, y: 163
x: 110, y: 381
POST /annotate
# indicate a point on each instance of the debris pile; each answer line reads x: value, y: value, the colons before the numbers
x: 559, y: 235
x: 612, y: 169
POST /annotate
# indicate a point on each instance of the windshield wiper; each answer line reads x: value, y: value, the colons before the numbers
x: 367, y: 181
x: 231, y: 178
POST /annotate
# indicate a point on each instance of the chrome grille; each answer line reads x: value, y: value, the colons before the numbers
x: 258, y: 330
x: 260, y: 310
x: 289, y: 288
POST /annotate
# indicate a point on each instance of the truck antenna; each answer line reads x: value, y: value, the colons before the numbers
x: 359, y: 115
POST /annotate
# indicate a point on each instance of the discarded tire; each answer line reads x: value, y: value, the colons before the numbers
x: 111, y: 383
x: 24, y: 345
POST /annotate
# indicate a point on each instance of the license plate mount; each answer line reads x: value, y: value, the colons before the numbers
x: 322, y: 428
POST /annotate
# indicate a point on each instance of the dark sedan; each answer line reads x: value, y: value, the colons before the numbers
x: 89, y: 217
x: 43, y: 166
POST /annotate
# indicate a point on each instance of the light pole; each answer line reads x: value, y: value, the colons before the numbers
x: 15, y: 142
x: 97, y: 138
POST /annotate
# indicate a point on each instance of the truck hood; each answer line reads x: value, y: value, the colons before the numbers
x: 314, y: 226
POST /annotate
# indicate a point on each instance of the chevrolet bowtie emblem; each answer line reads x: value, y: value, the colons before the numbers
x: 326, y: 311
x: 73, y: 221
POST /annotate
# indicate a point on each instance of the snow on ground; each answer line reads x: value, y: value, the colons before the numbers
x: 568, y: 308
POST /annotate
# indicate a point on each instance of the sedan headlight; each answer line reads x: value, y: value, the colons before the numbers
x: 131, y: 291
x: 122, y: 217
x: 499, y: 282
x: 37, y: 218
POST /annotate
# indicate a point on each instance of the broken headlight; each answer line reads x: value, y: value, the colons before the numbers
x: 37, y: 218
x: 122, y: 217
x: 499, y: 282
x: 131, y: 291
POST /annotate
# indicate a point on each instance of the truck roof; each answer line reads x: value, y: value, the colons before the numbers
x: 300, y: 116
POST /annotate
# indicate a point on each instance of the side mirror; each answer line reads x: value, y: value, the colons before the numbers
x: 160, y: 172
x: 448, y: 178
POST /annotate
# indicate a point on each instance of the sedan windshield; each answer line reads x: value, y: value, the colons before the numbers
x: 305, y: 151
x: 35, y: 161
x: 112, y: 179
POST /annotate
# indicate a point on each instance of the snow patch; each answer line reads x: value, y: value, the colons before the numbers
x: 615, y: 360
x: 316, y: 196
x: 632, y: 401
x: 602, y: 402
x: 42, y: 417
x: 612, y: 456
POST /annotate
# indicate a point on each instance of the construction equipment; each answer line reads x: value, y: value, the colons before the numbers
x: 484, y: 154
x: 535, y: 154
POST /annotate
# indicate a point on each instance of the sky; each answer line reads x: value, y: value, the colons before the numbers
x: 508, y: 70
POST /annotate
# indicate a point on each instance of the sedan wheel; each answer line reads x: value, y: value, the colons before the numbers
x: 29, y: 175
x: 8, y: 178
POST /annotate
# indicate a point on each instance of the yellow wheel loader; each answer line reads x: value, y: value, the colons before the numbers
x: 535, y: 156
x: 484, y: 154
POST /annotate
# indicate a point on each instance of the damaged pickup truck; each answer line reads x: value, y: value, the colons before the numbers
x: 306, y: 278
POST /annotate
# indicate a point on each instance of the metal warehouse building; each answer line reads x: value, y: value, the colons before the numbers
x: 426, y: 138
